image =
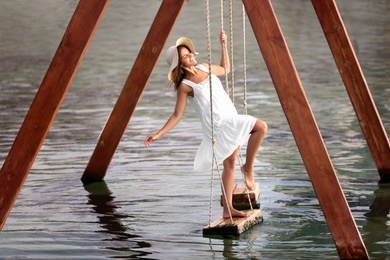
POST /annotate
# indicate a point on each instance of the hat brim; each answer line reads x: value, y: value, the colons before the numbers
x: 182, y: 41
x: 172, y: 57
x: 186, y: 42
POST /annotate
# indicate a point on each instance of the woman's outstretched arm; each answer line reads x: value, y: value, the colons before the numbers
x: 181, y: 102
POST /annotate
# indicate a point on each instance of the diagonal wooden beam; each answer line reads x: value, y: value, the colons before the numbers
x: 47, y: 101
x: 355, y: 84
x: 132, y: 90
x: 304, y: 127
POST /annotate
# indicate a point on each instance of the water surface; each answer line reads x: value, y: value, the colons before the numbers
x: 152, y: 205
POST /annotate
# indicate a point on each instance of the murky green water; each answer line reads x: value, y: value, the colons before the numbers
x: 152, y: 205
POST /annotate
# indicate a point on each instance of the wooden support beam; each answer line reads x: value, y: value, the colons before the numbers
x: 355, y: 84
x: 132, y: 90
x: 47, y: 101
x: 305, y: 130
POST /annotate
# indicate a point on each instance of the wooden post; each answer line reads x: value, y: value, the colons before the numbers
x: 132, y: 90
x: 47, y: 101
x: 304, y: 127
x: 355, y: 84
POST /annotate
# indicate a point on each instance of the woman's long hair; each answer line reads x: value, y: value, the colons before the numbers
x: 178, y: 72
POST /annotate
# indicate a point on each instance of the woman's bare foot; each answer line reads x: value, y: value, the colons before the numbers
x: 249, y: 178
x: 235, y: 214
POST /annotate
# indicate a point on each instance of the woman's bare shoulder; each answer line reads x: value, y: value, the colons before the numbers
x: 184, y: 87
x: 206, y: 65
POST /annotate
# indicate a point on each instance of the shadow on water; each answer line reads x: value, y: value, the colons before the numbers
x: 100, y: 197
x: 377, y: 225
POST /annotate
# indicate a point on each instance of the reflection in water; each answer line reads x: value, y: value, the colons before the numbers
x: 378, y: 222
x: 236, y: 247
x: 104, y: 206
x: 231, y: 248
x: 228, y: 249
x: 295, y: 227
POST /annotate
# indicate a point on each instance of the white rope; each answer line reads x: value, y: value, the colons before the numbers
x: 225, y: 58
x: 209, y: 61
x: 244, y: 56
x: 240, y: 157
x: 227, y: 90
x: 214, y: 160
x: 231, y: 48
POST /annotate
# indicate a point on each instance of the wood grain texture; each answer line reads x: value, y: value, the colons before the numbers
x: 304, y: 128
x: 132, y: 90
x: 223, y: 226
x: 241, y: 197
x: 355, y: 84
x: 47, y: 101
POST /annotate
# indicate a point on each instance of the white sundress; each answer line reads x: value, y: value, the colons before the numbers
x: 231, y: 130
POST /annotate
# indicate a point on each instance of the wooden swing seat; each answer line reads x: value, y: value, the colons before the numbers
x: 240, y: 197
x: 224, y: 227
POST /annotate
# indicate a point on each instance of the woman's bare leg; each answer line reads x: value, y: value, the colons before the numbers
x: 254, y: 142
x: 228, y: 175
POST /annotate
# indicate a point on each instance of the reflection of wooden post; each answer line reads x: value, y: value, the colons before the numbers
x: 355, y: 83
x: 47, y: 101
x: 132, y: 90
x: 304, y: 127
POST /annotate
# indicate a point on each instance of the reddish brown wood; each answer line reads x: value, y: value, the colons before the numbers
x: 304, y: 127
x: 132, y: 90
x: 355, y: 84
x: 225, y: 227
x: 47, y: 101
x: 244, y: 198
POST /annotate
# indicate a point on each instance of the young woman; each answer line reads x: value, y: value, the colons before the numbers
x: 231, y: 130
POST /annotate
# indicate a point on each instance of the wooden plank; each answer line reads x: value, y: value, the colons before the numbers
x: 223, y: 226
x: 355, y: 84
x: 132, y: 90
x: 47, y: 101
x: 240, y: 197
x: 305, y: 130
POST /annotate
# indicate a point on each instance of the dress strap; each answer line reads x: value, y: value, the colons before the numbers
x: 189, y: 83
x: 203, y: 68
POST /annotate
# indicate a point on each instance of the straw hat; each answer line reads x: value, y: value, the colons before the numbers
x: 173, y: 55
